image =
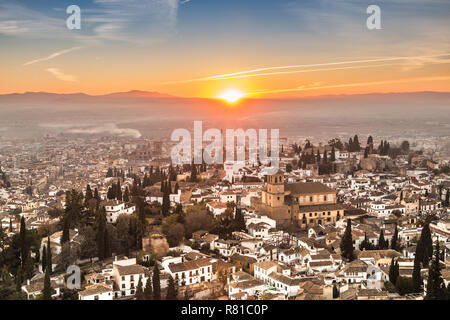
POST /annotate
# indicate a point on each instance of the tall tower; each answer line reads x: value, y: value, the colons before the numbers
x: 274, y: 196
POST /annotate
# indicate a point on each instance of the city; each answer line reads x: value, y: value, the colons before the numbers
x: 339, y: 220
x: 224, y: 159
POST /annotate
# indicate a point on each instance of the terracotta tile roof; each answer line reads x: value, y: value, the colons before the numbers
x: 129, y: 270
x: 190, y: 265
x: 308, y: 187
x: 95, y: 289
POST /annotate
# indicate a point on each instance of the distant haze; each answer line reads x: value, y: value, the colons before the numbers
x: 155, y: 115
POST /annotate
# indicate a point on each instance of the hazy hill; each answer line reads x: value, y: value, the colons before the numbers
x: 157, y: 114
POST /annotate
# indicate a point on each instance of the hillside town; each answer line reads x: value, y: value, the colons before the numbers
x: 104, y: 218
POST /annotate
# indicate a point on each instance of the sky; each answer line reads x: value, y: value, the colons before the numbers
x: 202, y: 48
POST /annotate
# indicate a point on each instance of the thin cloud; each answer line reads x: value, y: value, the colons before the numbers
x: 251, y: 72
x: 52, y: 56
x: 310, y: 70
x: 61, y: 76
x: 346, y: 85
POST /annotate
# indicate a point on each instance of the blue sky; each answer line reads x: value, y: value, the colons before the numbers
x: 176, y: 39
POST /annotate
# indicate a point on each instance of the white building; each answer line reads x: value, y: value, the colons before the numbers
x: 114, y: 208
x: 126, y: 274
x: 191, y: 272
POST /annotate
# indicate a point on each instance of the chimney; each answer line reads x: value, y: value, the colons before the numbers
x: 28, y: 282
x: 115, y: 258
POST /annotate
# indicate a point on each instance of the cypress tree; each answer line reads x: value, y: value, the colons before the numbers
x: 101, y: 228
x: 28, y: 268
x: 107, y: 244
x: 49, y: 257
x: 382, y: 241
x: 119, y: 191
x: 166, y: 203
x: 126, y: 195
x: 148, y: 291
x: 88, y: 195
x: 335, y: 292
x: 396, y: 271
x: 96, y: 195
x: 139, y: 291
x: 194, y: 173
x: 110, y: 194
x: 356, y: 145
x: 435, y: 284
x: 156, y: 283
x: 392, y: 272
x: 332, y: 156
x: 417, y: 277
x: 366, y: 244
x: 425, y: 245
x: 172, y: 292
x: 394, y: 245
x: 65, y: 235
x: 44, y: 258
x: 19, y: 279
x: 47, y: 291
x: 239, y: 220
x: 347, y: 243
x: 23, y: 242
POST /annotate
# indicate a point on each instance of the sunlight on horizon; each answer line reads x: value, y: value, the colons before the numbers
x: 231, y: 95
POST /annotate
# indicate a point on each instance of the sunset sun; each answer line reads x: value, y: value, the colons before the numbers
x: 232, y: 95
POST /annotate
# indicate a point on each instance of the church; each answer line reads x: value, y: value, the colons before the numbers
x: 304, y: 203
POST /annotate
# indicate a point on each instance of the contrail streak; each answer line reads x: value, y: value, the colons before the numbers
x: 53, y: 55
x: 311, y: 70
x: 248, y: 73
x: 324, y: 64
x: 357, y: 84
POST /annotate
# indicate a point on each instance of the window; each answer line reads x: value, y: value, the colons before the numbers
x: 324, y: 198
x: 310, y: 199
